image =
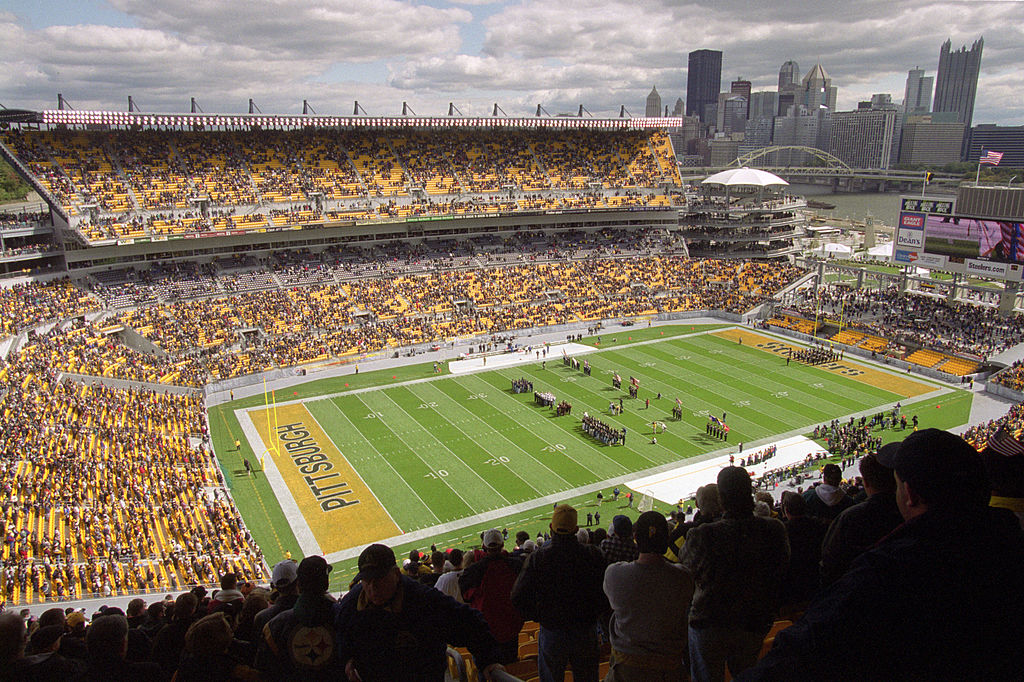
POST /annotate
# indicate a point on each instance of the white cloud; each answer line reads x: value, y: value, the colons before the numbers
x: 600, y: 52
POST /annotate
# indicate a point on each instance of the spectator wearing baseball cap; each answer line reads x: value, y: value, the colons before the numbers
x: 858, y: 528
x: 298, y: 644
x: 392, y: 627
x: 650, y: 599
x: 487, y: 586
x: 940, y: 597
x: 619, y: 545
x: 560, y: 587
x: 282, y: 581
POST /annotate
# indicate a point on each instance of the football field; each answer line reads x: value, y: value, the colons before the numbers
x: 426, y: 454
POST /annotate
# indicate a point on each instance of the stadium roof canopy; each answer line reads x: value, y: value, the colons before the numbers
x: 744, y: 177
x: 19, y: 116
x: 133, y: 118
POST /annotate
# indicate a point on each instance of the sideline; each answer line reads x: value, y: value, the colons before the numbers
x: 683, y: 476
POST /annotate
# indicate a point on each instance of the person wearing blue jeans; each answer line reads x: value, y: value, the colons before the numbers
x: 737, y: 563
x: 713, y: 648
x: 577, y: 648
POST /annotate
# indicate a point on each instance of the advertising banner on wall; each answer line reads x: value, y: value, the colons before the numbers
x: 931, y: 234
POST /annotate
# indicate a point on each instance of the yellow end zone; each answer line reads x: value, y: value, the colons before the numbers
x: 335, y: 502
x: 862, y: 373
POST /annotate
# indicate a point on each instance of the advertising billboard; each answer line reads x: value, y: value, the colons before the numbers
x: 932, y: 235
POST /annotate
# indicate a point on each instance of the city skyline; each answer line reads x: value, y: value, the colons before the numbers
x: 475, y: 52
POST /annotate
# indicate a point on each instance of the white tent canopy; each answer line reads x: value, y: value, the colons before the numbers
x: 744, y: 177
x: 834, y: 250
x: 881, y: 252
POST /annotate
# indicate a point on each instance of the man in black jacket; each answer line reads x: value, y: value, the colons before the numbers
x: 856, y: 529
x: 561, y: 587
x: 283, y: 580
x: 298, y: 644
x: 737, y: 564
x: 939, y: 598
x: 392, y: 627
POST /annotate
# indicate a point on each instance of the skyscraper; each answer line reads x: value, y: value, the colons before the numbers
x: 679, y: 109
x: 763, y: 104
x: 734, y: 114
x: 742, y: 88
x: 918, y: 96
x: 789, y: 76
x: 789, y: 83
x: 801, y: 127
x: 653, y: 104
x: 703, y: 83
x: 817, y: 90
x: 956, y: 82
x: 864, y: 138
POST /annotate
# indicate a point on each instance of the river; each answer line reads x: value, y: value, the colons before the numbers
x: 883, y: 206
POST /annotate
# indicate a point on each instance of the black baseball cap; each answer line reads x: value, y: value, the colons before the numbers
x: 375, y: 562
x: 312, y: 573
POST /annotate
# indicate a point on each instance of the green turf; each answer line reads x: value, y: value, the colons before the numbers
x: 458, y: 445
x: 443, y: 450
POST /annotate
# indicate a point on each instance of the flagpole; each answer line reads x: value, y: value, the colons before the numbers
x: 978, y: 173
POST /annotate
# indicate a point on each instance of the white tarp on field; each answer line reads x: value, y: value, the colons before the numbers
x: 682, y: 483
x: 520, y: 356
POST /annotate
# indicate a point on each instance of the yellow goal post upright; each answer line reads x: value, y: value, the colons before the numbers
x: 270, y: 404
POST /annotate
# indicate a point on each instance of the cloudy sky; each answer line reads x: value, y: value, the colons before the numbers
x: 560, y: 53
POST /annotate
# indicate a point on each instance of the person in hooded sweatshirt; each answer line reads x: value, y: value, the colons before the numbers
x: 826, y: 500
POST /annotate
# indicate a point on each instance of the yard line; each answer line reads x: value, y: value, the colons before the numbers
x: 593, y: 445
x: 725, y: 390
x: 382, y: 421
x: 327, y: 433
x: 514, y: 444
x: 721, y: 389
x: 385, y: 460
x: 607, y: 418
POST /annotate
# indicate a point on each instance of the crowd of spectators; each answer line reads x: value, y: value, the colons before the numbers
x: 749, y: 586
x: 151, y: 183
x: 306, y: 324
x: 107, y: 490
x: 24, y: 306
x: 19, y: 219
x: 919, y: 319
x: 1011, y: 377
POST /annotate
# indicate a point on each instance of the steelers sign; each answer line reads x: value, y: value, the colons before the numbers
x: 311, y: 647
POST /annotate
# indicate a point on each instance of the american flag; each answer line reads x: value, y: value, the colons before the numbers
x: 1013, y: 241
x: 1003, y: 442
x: 991, y: 158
